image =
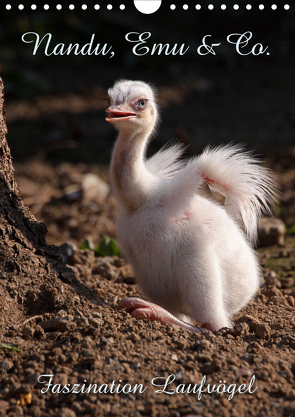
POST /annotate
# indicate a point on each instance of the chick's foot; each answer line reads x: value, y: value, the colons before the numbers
x: 143, y: 309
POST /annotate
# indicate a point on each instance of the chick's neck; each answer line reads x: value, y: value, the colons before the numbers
x: 132, y: 183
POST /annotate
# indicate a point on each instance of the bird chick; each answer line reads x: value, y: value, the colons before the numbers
x: 190, y: 255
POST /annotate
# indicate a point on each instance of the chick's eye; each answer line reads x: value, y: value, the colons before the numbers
x: 141, y: 104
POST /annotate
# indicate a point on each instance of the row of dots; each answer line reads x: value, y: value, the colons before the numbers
x: 235, y: 7
x: 59, y: 7
x: 172, y: 7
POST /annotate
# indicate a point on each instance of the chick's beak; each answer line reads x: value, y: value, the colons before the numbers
x: 116, y: 113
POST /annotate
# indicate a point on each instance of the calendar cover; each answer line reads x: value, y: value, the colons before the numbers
x: 144, y: 146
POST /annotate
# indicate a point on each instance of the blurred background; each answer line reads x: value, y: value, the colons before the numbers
x: 55, y: 104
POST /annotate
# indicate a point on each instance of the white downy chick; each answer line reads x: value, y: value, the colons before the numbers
x: 190, y: 255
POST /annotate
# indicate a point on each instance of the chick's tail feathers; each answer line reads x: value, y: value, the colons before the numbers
x: 166, y: 162
x: 248, y: 188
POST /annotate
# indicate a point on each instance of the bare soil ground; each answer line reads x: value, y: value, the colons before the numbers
x: 81, y: 338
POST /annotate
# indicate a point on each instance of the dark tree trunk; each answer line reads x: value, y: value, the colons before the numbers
x: 33, y: 277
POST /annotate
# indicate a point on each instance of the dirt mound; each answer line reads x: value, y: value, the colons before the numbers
x: 81, y: 343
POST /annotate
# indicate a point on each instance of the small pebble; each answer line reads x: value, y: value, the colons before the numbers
x: 243, y: 372
x: 95, y: 322
x: 39, y: 333
x: 271, y: 231
x: 241, y: 329
x: 6, y: 365
x: 66, y: 412
x: 263, y: 331
x: 287, y: 282
x: 27, y: 332
x: 290, y: 300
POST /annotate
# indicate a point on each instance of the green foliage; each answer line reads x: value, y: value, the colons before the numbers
x: 107, y: 246
x: 10, y: 346
x: 291, y: 230
x: 88, y: 244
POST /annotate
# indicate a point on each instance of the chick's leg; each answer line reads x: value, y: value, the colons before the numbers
x: 146, y: 310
